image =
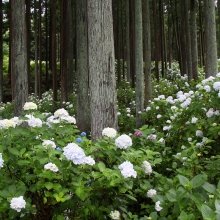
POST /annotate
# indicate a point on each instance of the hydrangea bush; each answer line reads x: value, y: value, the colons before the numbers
x: 167, y: 169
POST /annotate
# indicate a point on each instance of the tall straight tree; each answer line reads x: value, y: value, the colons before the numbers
x: 211, y: 65
x: 66, y: 49
x: 128, y: 76
x: 35, y: 50
x: 53, y: 48
x: 19, y: 55
x: 139, y: 63
x: 1, y: 55
x: 102, y: 83
x: 147, y: 50
x: 194, y: 49
x: 83, y: 115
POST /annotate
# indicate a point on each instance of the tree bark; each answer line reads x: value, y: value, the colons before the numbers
x: 53, y: 51
x: 1, y: 55
x: 211, y: 65
x: 19, y: 55
x: 194, y: 49
x: 35, y: 50
x: 147, y: 51
x: 101, y: 61
x: 83, y: 113
x: 127, y: 39
x: 139, y: 63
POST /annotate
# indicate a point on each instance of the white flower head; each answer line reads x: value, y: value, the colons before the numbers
x: 159, y: 116
x: 207, y: 88
x: 49, y: 144
x: 74, y: 153
x: 60, y: 113
x: 151, y: 193
x: 30, y: 106
x: 194, y: 120
x: 157, y: 206
x: 199, y: 133
x: 127, y: 170
x: 51, y: 166
x: 5, y: 123
x: 34, y: 122
x: 123, y: 141
x: 89, y: 160
x: 147, y: 167
x: 216, y: 86
x: 17, y: 203
x: 210, y: 113
x: 109, y: 132
x: 1, y: 161
x: 115, y: 215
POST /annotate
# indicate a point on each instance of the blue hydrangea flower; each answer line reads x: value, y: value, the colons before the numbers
x: 83, y: 134
x: 59, y: 149
x: 79, y: 140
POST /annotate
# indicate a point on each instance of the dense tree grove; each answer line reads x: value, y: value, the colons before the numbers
x: 148, y: 36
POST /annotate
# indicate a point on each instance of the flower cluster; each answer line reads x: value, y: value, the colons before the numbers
x: 1, y: 161
x: 76, y: 154
x: 157, y: 206
x: 17, y: 203
x: 138, y: 133
x: 61, y: 115
x: 5, y: 124
x: 115, y: 215
x: 34, y: 122
x: 30, y: 106
x: 123, y: 141
x: 51, y: 166
x: 127, y: 170
x: 49, y: 143
x: 147, y: 167
x: 151, y: 193
x: 109, y: 132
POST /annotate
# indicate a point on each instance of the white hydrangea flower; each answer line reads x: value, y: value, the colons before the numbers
x: 210, y: 113
x: 123, y: 141
x: 127, y: 170
x: 1, y: 160
x: 151, y: 193
x: 147, y: 167
x: 49, y: 143
x: 6, y: 123
x: 61, y: 113
x: 159, y: 116
x: 207, y: 88
x: 189, y: 139
x: 167, y: 128
x: 148, y: 108
x: 34, y: 122
x: 69, y: 119
x: 109, y: 132
x: 157, y: 206
x: 51, y: 166
x: 186, y: 103
x: 30, y: 106
x: 17, y: 203
x: 161, y: 140
x: 199, y: 133
x: 194, y: 120
x: 89, y: 160
x: 115, y: 215
x: 52, y: 119
x: 74, y: 153
x: 216, y: 86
